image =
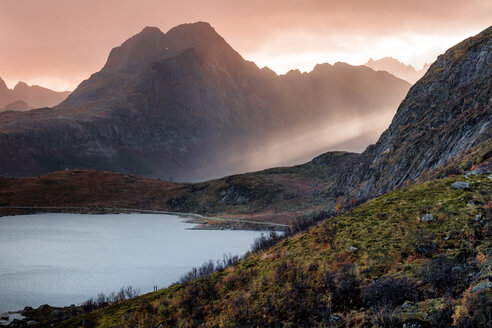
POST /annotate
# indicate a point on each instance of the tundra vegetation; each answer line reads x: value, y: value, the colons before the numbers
x: 377, y: 264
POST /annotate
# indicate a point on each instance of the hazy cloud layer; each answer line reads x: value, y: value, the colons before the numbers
x: 58, y: 43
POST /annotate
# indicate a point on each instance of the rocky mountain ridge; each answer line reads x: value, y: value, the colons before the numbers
x: 185, y: 106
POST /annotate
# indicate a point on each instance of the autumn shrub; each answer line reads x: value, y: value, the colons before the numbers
x: 265, y: 242
x: 475, y: 310
x: 384, y: 295
x: 423, y: 244
x: 442, y: 317
x: 446, y: 275
x: 344, y: 287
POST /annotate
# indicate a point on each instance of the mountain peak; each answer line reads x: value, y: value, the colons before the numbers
x: 21, y: 85
x: 151, y: 45
x: 147, y: 30
x: 3, y: 86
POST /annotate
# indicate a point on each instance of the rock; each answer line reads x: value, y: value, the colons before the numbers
x: 474, y: 172
x: 478, y: 217
x: 460, y: 185
x: 426, y: 218
x: 490, y: 176
x: 482, y: 286
x: 242, y: 200
x: 411, y: 325
x: 334, y: 318
x: 477, y: 172
x: 353, y: 248
x: 55, y: 313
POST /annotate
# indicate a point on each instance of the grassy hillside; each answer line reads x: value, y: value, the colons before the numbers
x: 383, y: 263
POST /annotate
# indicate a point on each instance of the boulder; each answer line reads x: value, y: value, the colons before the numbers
x: 426, y: 218
x: 460, y: 185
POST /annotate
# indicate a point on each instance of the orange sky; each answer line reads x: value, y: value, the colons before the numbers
x: 58, y: 43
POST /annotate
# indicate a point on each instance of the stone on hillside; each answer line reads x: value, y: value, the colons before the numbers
x: 460, y: 185
x: 353, y: 248
x: 477, y: 171
x: 474, y: 172
x: 478, y: 217
x: 411, y: 325
x: 482, y: 286
x: 427, y: 217
x: 490, y: 176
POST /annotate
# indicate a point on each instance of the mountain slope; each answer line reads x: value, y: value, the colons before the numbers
x: 397, y: 68
x: 447, y: 112
x: 35, y: 96
x: 184, y: 105
x: 378, y: 265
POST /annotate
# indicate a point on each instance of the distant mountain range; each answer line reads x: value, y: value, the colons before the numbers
x: 24, y: 97
x: 397, y: 68
x: 184, y: 105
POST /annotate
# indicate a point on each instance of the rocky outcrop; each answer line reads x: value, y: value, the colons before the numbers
x: 444, y: 114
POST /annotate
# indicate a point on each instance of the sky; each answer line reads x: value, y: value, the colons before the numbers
x: 59, y: 43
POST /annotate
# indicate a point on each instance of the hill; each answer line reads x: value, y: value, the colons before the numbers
x: 33, y: 96
x: 421, y: 256
x: 185, y: 106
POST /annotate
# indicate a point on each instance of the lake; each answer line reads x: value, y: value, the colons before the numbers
x: 63, y: 259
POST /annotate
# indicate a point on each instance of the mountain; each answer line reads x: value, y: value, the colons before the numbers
x: 17, y: 105
x: 397, y: 68
x: 34, y: 96
x: 184, y: 105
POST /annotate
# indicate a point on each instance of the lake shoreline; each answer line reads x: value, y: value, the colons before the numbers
x: 203, y: 222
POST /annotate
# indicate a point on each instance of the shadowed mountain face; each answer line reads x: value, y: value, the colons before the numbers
x: 397, y: 68
x: 32, y: 96
x: 185, y: 106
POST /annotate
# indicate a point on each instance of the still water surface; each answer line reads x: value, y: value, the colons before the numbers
x: 63, y: 259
